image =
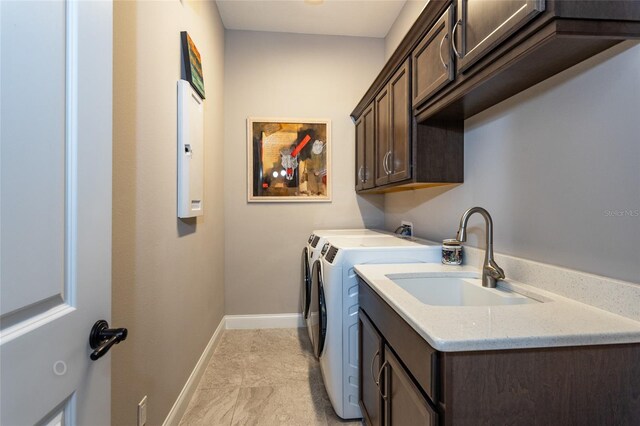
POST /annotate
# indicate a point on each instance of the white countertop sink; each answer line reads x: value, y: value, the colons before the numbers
x: 457, y: 291
x: 450, y: 309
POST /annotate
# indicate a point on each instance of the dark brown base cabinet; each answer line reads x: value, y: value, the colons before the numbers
x: 388, y: 394
x: 404, y: 381
x: 462, y: 57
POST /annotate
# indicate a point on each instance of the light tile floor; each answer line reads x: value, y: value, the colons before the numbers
x: 262, y: 377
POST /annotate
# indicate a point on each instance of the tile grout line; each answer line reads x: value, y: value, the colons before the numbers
x: 240, y: 387
x: 235, y: 403
x: 235, y: 406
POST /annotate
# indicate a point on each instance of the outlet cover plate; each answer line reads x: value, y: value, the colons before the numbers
x: 410, y: 224
x: 142, y: 412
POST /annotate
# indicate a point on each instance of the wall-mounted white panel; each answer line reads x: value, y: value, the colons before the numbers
x: 190, y: 152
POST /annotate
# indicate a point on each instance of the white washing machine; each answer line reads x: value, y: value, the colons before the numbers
x: 334, y: 307
x: 311, y: 253
x: 319, y: 237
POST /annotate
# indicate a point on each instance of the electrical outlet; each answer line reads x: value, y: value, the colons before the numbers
x: 410, y: 225
x: 142, y: 412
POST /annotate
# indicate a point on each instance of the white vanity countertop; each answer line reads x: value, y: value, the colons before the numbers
x: 558, y: 321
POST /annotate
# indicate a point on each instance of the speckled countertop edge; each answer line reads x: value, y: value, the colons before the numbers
x: 557, y: 322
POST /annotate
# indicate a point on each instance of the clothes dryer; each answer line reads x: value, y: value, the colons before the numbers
x: 311, y: 252
x: 334, y: 307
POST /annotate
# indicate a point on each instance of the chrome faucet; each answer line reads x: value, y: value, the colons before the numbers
x: 491, y: 272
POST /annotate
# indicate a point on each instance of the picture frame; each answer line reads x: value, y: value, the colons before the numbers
x: 192, y: 63
x: 288, y: 160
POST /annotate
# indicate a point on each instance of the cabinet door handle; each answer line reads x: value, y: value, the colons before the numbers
x: 360, y: 170
x: 384, y: 365
x: 385, y: 162
x: 453, y: 38
x: 373, y: 360
x: 445, y: 65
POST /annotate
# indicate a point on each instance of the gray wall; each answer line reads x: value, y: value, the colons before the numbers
x: 407, y: 16
x: 558, y: 167
x: 289, y: 75
x: 168, y: 281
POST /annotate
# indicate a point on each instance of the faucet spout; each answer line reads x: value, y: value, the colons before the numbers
x: 491, y: 272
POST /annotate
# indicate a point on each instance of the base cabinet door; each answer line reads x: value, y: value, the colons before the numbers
x: 371, y: 348
x: 404, y: 403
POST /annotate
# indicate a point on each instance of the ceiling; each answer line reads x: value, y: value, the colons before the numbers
x: 362, y: 18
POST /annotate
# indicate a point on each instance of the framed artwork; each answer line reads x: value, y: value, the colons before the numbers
x: 192, y: 63
x: 288, y: 160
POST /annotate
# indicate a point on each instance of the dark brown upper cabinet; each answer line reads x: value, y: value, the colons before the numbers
x: 399, y: 158
x: 432, y: 60
x: 360, y: 155
x: 498, y: 49
x: 483, y: 24
x: 382, y: 131
x: 393, y: 129
x: 365, y: 140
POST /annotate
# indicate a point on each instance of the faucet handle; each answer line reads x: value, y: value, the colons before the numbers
x: 494, y: 270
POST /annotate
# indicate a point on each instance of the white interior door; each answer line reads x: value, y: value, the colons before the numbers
x: 55, y: 211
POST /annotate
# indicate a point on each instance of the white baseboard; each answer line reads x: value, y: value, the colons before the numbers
x: 181, y: 404
x: 235, y: 322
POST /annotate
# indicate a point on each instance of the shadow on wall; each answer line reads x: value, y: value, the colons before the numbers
x: 365, y: 202
x: 415, y: 197
x: 187, y: 226
x: 506, y: 106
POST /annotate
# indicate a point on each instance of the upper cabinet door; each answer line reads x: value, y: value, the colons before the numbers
x: 383, y: 136
x: 369, y: 147
x: 483, y: 24
x: 399, y: 161
x: 365, y: 140
x: 360, y: 155
x: 432, y: 60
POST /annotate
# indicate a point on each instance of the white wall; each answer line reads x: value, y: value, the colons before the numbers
x: 407, y: 16
x: 168, y: 274
x: 552, y: 165
x: 289, y: 75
